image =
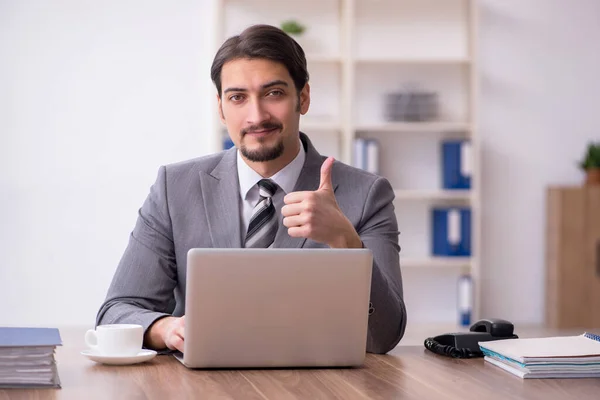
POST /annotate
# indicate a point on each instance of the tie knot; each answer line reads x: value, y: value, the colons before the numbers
x: 266, y: 188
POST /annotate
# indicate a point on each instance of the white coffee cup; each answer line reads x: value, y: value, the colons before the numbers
x: 116, y: 340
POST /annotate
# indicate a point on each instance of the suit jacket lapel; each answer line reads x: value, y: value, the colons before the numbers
x: 308, y: 180
x: 221, y: 195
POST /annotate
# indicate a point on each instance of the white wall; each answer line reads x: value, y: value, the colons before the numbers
x: 540, y: 104
x: 94, y: 96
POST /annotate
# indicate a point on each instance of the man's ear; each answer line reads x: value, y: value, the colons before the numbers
x: 220, y: 111
x: 304, y: 99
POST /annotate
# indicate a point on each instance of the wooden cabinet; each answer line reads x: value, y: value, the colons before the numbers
x: 573, y: 257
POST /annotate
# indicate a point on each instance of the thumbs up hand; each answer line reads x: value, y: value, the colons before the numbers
x: 326, y: 184
x: 316, y: 215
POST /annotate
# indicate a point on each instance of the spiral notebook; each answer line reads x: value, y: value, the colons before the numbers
x: 551, y: 357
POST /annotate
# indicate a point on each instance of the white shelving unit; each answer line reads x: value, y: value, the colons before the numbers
x: 440, y: 195
x: 412, y: 61
x: 463, y: 263
x: 416, y: 127
x: 359, y: 50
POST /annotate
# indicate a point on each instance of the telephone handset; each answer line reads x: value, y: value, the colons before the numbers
x: 465, y: 344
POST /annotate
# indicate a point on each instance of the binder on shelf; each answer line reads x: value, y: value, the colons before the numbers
x: 366, y: 155
x: 465, y: 300
x: 372, y: 156
x: 359, y: 153
x: 457, y: 165
x: 451, y: 231
x: 227, y: 143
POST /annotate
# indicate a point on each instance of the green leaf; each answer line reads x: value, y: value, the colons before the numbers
x: 591, y: 158
x: 292, y: 27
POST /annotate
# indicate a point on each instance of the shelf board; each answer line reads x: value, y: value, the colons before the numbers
x: 431, y: 127
x: 411, y: 60
x: 435, y: 262
x: 409, y: 194
x: 316, y: 125
x: 323, y: 58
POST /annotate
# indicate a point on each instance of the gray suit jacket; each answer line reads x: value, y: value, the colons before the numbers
x: 196, y: 203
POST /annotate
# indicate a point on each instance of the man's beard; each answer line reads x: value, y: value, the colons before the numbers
x: 264, y: 153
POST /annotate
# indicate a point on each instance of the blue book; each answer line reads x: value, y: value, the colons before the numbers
x: 29, y: 337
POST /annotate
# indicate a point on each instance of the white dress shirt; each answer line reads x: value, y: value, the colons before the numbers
x: 248, y: 178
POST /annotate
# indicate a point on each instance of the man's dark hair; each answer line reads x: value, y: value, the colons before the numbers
x: 265, y: 42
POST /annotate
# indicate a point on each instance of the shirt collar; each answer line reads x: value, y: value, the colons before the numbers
x: 285, y: 178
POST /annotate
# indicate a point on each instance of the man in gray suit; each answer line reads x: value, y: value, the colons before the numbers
x: 273, y: 189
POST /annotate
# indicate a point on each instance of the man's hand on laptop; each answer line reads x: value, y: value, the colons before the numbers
x: 166, y: 332
x: 316, y: 215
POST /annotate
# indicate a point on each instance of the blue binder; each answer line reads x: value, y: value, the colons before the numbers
x: 451, y: 232
x: 227, y: 143
x: 456, y: 164
x: 29, y: 337
x: 465, y: 300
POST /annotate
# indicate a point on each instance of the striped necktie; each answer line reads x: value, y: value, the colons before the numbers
x: 263, y: 223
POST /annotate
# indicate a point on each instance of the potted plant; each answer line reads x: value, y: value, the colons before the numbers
x: 293, y: 28
x: 591, y: 164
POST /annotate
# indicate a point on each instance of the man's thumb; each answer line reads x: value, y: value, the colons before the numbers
x: 326, y: 174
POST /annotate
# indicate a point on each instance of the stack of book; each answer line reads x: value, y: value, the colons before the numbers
x: 27, y: 357
x: 553, y: 357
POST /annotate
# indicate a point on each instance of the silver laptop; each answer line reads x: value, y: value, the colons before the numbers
x: 263, y: 308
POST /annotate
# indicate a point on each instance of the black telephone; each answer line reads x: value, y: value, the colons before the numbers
x: 465, y: 344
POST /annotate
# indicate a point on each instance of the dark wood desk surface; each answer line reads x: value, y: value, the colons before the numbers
x: 408, y: 372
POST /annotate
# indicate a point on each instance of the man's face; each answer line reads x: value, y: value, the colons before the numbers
x: 261, y: 108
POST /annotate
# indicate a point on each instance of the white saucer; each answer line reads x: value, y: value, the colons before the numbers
x: 143, y: 355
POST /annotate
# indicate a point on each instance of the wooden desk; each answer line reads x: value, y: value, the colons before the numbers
x: 408, y: 372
